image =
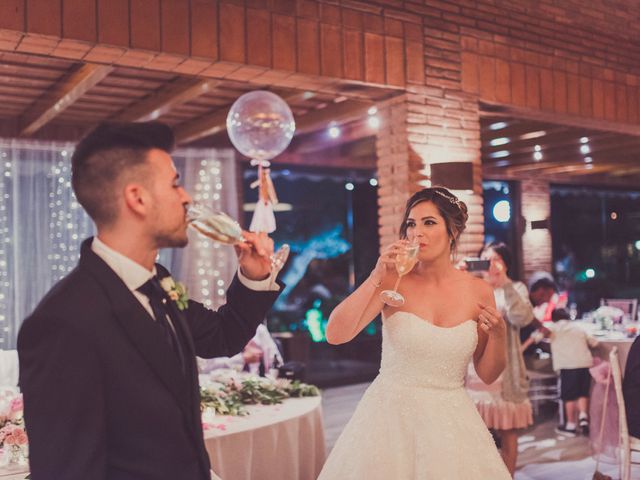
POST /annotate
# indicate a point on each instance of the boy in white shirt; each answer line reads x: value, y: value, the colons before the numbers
x: 571, y: 356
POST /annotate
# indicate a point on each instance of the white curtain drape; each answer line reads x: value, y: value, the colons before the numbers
x: 42, y: 226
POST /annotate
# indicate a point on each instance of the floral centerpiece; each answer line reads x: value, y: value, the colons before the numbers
x: 606, y: 316
x: 229, y: 393
x: 14, y: 444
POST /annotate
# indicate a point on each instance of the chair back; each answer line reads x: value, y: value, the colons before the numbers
x: 623, y: 429
x: 628, y: 305
x: 8, y: 368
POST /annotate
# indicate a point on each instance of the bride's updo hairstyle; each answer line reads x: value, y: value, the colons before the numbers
x: 453, y: 210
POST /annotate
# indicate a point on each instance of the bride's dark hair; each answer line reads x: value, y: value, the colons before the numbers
x: 453, y: 210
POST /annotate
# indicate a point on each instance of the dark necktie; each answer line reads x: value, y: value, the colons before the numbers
x: 158, y: 301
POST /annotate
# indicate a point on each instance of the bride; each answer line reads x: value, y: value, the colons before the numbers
x: 415, y: 420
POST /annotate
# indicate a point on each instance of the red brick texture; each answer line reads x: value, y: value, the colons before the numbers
x: 536, y: 244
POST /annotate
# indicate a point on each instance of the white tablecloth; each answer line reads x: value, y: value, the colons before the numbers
x: 14, y: 472
x: 283, y: 442
x: 9, y: 367
x: 607, y: 340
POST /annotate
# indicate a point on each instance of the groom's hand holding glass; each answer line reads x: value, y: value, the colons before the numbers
x: 254, y: 255
x: 255, y: 250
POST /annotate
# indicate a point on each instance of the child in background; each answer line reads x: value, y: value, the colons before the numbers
x: 571, y: 356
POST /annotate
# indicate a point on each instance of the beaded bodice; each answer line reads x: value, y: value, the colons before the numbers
x: 418, y: 353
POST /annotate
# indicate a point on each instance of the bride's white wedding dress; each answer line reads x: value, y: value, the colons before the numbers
x: 416, y: 421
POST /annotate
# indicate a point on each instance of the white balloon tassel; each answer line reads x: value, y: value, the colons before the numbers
x: 263, y: 218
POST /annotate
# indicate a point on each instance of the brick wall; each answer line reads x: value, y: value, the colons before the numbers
x: 536, y: 244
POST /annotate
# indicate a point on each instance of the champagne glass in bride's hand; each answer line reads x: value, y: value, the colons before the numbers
x: 404, y: 261
x: 221, y: 228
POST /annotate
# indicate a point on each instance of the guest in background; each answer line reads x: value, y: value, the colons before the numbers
x: 504, y: 404
x: 544, y: 296
x: 631, y: 389
x: 257, y: 357
x: 571, y: 356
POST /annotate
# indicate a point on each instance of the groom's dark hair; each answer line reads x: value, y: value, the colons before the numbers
x: 110, y: 154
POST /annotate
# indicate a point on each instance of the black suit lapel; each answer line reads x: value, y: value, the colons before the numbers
x: 184, y: 336
x: 139, y: 327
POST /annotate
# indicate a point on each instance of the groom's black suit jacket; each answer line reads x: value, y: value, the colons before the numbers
x: 104, y: 395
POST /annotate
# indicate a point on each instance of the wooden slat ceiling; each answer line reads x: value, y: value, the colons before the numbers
x: 509, y: 147
x: 47, y: 98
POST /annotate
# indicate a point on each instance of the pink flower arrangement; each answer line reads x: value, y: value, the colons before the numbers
x: 12, y: 434
x: 16, y: 409
x: 12, y: 431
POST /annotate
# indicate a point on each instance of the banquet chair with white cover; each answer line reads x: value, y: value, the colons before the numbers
x: 8, y: 368
x: 628, y: 444
x: 628, y: 305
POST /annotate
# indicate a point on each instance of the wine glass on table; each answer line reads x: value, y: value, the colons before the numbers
x: 404, y: 262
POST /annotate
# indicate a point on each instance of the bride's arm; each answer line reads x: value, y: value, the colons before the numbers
x: 490, y: 357
x: 357, y: 310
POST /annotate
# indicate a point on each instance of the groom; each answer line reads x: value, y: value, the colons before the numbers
x: 107, y: 359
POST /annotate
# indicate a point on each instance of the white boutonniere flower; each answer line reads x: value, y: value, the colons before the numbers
x: 176, y: 291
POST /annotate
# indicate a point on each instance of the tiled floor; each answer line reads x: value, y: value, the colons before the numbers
x: 544, y: 455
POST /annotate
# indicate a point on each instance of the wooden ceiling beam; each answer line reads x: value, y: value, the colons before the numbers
x: 551, y: 140
x: 357, y: 155
x: 65, y: 93
x: 215, y: 122
x: 623, y: 171
x: 525, y: 113
x: 555, y: 168
x: 611, y: 147
x: 336, y: 112
x: 170, y: 96
x: 518, y: 128
x: 352, y: 131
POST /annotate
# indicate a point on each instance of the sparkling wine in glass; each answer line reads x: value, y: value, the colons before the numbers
x: 217, y: 226
x: 404, y: 261
x: 221, y: 228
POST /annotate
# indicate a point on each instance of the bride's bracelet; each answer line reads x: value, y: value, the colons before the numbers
x: 377, y: 285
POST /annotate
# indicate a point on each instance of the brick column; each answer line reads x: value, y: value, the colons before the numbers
x: 535, y: 202
x: 434, y: 121
x: 400, y: 168
x: 425, y: 126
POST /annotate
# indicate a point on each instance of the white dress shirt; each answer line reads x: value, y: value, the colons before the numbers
x: 135, y: 275
x: 570, y: 346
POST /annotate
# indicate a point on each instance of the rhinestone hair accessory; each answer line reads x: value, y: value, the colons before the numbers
x: 451, y: 199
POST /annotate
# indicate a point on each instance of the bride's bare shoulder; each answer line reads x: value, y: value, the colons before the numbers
x: 474, y: 284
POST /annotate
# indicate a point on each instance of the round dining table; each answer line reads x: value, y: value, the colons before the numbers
x: 284, y: 442
x: 607, y: 339
x: 14, y: 472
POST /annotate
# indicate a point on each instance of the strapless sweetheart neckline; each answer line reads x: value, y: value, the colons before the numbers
x: 424, y: 320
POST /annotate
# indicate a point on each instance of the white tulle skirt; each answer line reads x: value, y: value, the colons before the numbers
x: 414, y: 433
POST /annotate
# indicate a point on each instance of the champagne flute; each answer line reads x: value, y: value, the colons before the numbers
x: 217, y: 226
x: 404, y: 262
x: 220, y: 227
